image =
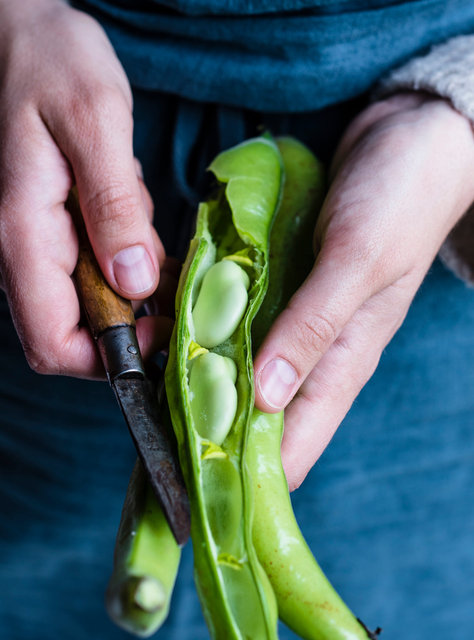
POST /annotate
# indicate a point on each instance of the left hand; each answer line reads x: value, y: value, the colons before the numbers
x: 402, y: 177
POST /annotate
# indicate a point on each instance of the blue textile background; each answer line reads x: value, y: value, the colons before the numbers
x: 388, y: 508
x: 285, y: 59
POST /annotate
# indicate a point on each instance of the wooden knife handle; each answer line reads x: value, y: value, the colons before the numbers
x: 104, y: 308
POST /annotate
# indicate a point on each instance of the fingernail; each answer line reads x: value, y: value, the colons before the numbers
x: 276, y: 382
x: 133, y: 270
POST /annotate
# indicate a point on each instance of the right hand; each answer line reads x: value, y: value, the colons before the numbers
x: 66, y: 116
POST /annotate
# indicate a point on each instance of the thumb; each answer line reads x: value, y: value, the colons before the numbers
x: 112, y: 204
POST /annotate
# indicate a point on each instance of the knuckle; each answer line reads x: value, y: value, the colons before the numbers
x: 348, y: 238
x: 99, y: 108
x: 106, y: 104
x: 314, y: 333
x: 360, y: 251
x: 360, y: 369
x: 39, y: 361
x: 112, y: 209
x: 43, y: 356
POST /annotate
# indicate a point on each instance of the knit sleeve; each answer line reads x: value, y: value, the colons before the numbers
x: 448, y: 71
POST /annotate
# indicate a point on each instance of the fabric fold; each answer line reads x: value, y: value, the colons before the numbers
x: 295, y: 60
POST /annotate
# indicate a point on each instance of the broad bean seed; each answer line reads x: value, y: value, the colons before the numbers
x: 221, y: 303
x: 213, y: 396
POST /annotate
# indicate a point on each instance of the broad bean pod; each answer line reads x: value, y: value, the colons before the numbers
x: 146, y: 561
x: 307, y: 602
x: 242, y: 519
x: 233, y: 227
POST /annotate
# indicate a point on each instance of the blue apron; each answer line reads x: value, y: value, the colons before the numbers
x: 387, y: 509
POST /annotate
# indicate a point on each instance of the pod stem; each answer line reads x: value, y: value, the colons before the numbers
x: 372, y: 635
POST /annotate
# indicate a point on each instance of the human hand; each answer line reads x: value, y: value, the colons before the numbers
x: 401, y: 178
x: 65, y: 116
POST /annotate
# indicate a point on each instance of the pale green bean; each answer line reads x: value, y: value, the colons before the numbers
x: 213, y: 396
x: 221, y: 303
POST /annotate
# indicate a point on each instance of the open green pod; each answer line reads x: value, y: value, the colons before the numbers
x: 232, y: 227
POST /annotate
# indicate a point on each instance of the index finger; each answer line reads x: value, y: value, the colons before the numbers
x: 339, y: 283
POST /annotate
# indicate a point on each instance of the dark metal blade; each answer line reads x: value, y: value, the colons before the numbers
x: 139, y: 404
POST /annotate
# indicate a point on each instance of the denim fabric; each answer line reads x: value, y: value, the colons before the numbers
x: 289, y: 61
x: 387, y: 510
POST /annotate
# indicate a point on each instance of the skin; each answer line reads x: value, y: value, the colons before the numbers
x: 66, y: 114
x: 401, y: 178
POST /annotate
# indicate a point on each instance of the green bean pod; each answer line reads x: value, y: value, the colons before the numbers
x: 146, y: 562
x: 233, y: 227
x: 307, y: 602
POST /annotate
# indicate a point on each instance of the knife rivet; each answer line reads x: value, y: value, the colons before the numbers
x: 132, y: 349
